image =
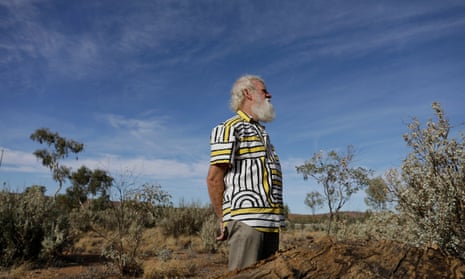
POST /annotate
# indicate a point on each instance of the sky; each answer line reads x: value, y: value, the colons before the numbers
x: 142, y: 83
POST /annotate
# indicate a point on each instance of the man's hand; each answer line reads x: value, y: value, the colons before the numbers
x: 223, y: 233
x: 215, y: 182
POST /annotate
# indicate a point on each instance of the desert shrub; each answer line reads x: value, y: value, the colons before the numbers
x: 31, y: 227
x: 121, y: 230
x: 122, y: 227
x: 123, y: 257
x: 378, y: 225
x: 209, y: 232
x: 56, y: 239
x: 431, y: 191
x: 154, y: 200
x: 187, y: 219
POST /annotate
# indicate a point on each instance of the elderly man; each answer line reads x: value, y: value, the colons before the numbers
x: 244, y: 179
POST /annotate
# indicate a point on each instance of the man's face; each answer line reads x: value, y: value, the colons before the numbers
x: 262, y: 107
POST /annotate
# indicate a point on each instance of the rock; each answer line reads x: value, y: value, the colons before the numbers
x: 326, y: 258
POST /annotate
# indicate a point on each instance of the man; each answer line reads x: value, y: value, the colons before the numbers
x: 244, y: 179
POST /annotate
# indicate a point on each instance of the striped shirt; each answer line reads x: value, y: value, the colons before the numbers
x: 253, y: 182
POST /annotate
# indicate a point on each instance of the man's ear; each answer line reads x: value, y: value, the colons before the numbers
x: 248, y: 94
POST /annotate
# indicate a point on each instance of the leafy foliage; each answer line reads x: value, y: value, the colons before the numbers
x: 85, y: 182
x: 88, y: 183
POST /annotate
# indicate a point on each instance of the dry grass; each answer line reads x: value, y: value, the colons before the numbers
x: 161, y: 256
x: 153, y: 242
x: 89, y: 243
x: 17, y: 272
x: 175, y: 257
x: 289, y: 238
x: 169, y: 269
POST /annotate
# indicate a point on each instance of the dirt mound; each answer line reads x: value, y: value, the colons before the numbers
x: 324, y: 258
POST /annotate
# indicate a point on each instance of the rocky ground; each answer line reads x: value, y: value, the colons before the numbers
x: 324, y: 258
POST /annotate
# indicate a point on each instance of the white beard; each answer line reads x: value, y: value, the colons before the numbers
x: 264, y: 111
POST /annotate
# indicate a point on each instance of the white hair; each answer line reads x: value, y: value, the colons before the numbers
x: 237, y: 91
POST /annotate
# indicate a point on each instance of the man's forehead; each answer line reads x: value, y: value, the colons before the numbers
x: 258, y: 83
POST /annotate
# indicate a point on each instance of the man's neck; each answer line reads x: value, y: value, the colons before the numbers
x: 247, y: 109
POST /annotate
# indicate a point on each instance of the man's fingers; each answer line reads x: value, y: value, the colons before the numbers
x: 223, y: 235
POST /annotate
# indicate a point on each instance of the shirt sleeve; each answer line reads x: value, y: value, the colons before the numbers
x: 222, y: 142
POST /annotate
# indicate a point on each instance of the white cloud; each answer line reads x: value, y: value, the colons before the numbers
x: 138, y: 127
x: 15, y: 161
x: 20, y: 162
x: 139, y: 166
x: 149, y: 136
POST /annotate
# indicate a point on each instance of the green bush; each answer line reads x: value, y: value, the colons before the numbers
x: 32, y: 228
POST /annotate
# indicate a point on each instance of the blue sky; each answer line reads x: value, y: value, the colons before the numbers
x: 141, y: 83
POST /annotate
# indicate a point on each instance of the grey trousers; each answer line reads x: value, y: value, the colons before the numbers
x: 248, y: 246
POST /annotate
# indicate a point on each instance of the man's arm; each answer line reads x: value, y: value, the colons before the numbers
x: 215, y: 183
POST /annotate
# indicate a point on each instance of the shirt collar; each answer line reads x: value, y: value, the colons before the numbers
x: 248, y: 118
x: 245, y: 116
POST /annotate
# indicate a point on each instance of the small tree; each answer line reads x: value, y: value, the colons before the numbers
x: 339, y: 179
x: 314, y: 200
x: 122, y: 223
x: 58, y: 149
x: 377, y: 194
x: 154, y: 200
x: 87, y: 183
x: 432, y: 190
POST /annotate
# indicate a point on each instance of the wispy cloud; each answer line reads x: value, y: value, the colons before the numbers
x: 352, y: 31
x: 140, y: 128
x: 150, y: 136
x: 393, y: 39
x: 155, y: 168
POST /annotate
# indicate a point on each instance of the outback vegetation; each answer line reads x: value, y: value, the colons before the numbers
x: 108, y: 226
